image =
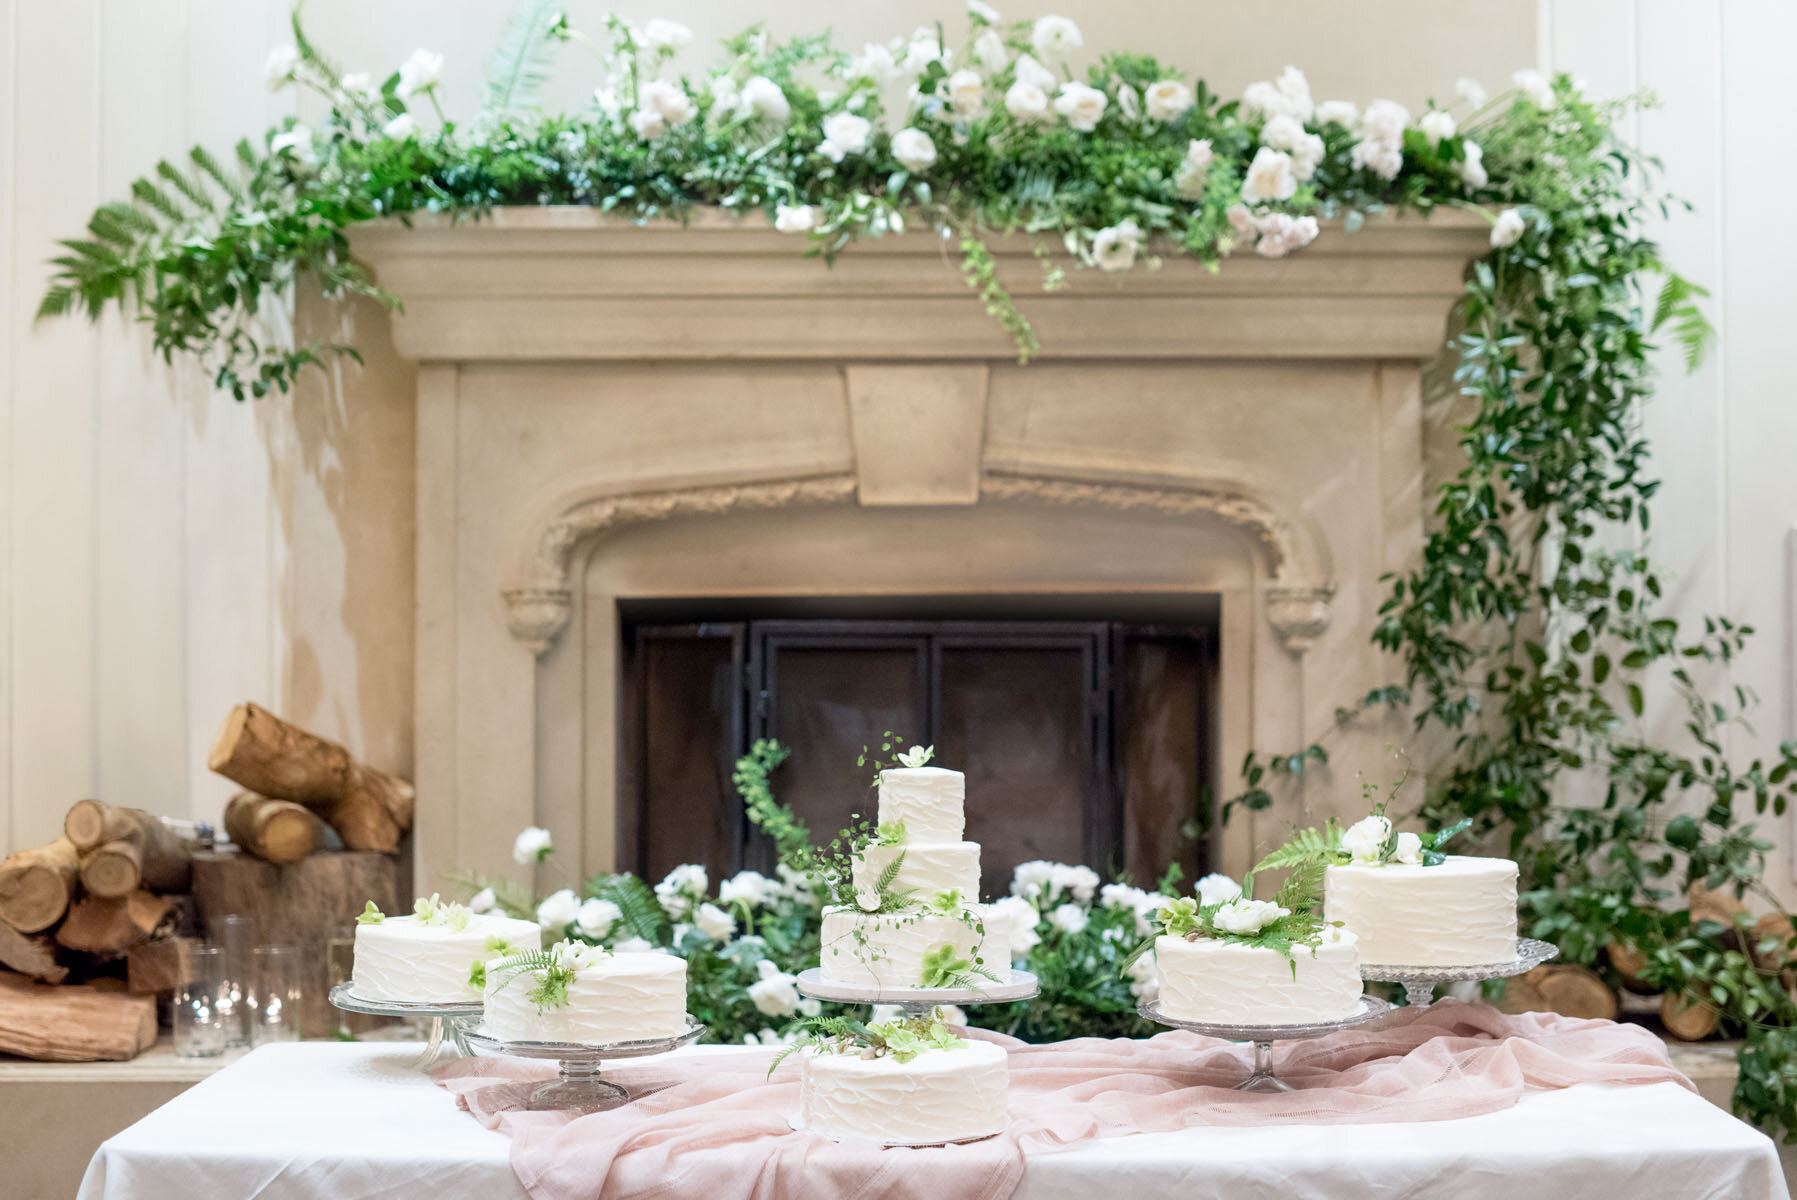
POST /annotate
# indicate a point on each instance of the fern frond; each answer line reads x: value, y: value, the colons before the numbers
x: 209, y: 166
x: 890, y: 875
x: 310, y: 54
x: 157, y: 200
x: 521, y: 62
x: 1322, y: 843
x: 1302, y: 890
x: 642, y: 912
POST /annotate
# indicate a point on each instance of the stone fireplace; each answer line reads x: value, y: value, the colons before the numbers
x: 610, y: 415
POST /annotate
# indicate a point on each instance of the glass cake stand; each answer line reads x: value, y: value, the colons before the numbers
x: 1419, y: 982
x: 1263, y: 1037
x: 455, y: 1014
x: 916, y: 1001
x: 578, y: 1086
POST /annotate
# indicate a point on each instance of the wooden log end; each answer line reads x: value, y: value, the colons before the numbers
x: 1688, y: 1018
x: 112, y: 870
x: 36, y: 885
x: 224, y: 746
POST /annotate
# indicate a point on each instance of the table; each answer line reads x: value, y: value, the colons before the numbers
x: 346, y: 1120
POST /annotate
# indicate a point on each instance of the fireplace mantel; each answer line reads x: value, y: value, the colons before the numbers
x: 608, y: 411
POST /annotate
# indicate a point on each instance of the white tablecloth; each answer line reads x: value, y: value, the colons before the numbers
x: 345, y: 1121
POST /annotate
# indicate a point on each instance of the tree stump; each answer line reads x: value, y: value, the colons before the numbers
x: 108, y: 927
x: 143, y: 853
x: 73, y: 1022
x: 276, y: 831
x: 36, y: 885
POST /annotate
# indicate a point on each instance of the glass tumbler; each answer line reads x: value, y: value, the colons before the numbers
x: 234, y: 935
x: 277, y: 994
x: 340, y: 964
x: 199, y: 1021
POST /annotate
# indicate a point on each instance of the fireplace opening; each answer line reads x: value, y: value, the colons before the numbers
x: 1085, y: 725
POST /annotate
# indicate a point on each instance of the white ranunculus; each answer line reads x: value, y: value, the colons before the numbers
x: 632, y: 945
x: 1281, y: 233
x: 924, y: 48
x: 750, y: 887
x: 296, y: 141
x: 1080, y: 106
x: 989, y: 50
x: 1381, y: 158
x: 764, y: 98
x: 1215, y: 888
x: 844, y: 134
x: 670, y: 100
x: 558, y: 911
x: 1470, y: 90
x: 1030, y: 880
x: 1282, y: 132
x: 1068, y: 918
x: 1120, y: 895
x: 532, y: 845
x: 1338, y: 112
x: 875, y: 62
x: 1296, y: 89
x: 648, y: 124
x: 1166, y: 100
x: 1241, y: 219
x: 795, y: 218
x: 1269, y: 177
x: 1364, y: 841
x: 1384, y: 121
x: 1509, y: 228
x: 681, y: 888
x: 1057, y: 36
x: 1081, y: 882
x: 1288, y: 96
x: 1409, y: 851
x: 400, y: 127
x: 1471, y: 168
x: 662, y: 34
x: 1035, y: 74
x: 715, y: 923
x: 1247, y: 917
x: 1536, y: 86
x: 419, y: 73
x: 1194, y: 169
x: 1115, y: 248
x: 914, y: 149
x: 483, y: 901
x: 1436, y: 125
x: 979, y: 10
x: 775, y: 996
x: 964, y: 90
x: 1026, y: 102
x: 596, y: 917
x: 279, y: 68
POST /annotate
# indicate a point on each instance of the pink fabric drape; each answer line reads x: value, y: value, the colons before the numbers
x: 716, y: 1126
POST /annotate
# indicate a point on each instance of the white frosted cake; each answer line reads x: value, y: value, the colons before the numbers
x: 1229, y: 983
x: 930, y: 902
x: 1460, y: 912
x: 426, y: 958
x: 586, y: 995
x: 940, y: 1095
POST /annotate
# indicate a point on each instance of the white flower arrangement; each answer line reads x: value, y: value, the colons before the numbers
x: 532, y: 845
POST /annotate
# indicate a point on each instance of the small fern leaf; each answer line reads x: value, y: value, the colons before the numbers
x: 522, y: 60
x: 209, y: 166
x: 191, y: 192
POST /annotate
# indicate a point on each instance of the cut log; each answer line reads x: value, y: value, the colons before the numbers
x: 1522, y: 993
x: 155, y: 966
x: 90, y: 823
x: 1628, y: 962
x: 145, y: 853
x: 1576, y: 991
x: 1687, y: 1018
x: 369, y: 809
x: 1772, y: 936
x: 109, y: 927
x: 32, y: 954
x: 278, y: 831
x: 73, y: 1023
x: 36, y: 885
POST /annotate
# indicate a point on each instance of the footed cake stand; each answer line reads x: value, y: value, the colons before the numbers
x: 578, y: 1086
x: 916, y: 1001
x: 1419, y: 982
x: 1263, y: 1036
x: 343, y: 998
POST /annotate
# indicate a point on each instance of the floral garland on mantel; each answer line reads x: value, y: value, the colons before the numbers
x: 1524, y: 634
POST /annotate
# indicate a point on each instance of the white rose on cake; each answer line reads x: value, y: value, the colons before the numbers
x: 1409, y: 851
x: 1216, y: 888
x: 1247, y: 917
x: 1364, y: 841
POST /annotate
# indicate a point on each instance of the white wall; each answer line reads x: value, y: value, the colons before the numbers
x: 165, y: 552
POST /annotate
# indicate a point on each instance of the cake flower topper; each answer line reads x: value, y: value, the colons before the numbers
x: 917, y: 756
x: 901, y: 1040
x: 1227, y: 911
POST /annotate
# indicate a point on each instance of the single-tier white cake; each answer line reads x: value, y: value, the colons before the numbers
x: 1461, y: 912
x: 425, y: 959
x: 608, y: 998
x: 888, y: 949
x: 939, y: 1096
x: 1227, y: 983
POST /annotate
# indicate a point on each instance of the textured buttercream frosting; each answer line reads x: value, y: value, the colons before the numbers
x: 928, y: 801
x: 1459, y: 913
x: 938, y: 1096
x: 890, y: 947
x: 407, y: 960
x: 1227, y: 983
x: 621, y: 998
x: 928, y: 868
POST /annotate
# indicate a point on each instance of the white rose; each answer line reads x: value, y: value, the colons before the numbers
x: 989, y: 50
x: 1082, y: 882
x: 765, y: 99
x: 1120, y: 895
x: 596, y: 917
x: 715, y: 923
x: 751, y: 887
x: 648, y: 123
x: 1281, y: 233
x: 1338, y: 112
x: 1188, y: 181
x: 1166, y: 99
x: 1080, y: 105
x: 1436, y: 125
x: 1246, y: 917
x: 1536, y: 86
x: 1269, y: 177
x: 1026, y: 102
x: 1307, y: 149
x: 1030, y: 880
x: 401, y: 127
x: 1035, y: 74
x: 925, y: 48
x: 1409, y: 851
x: 1383, y: 159
x: 662, y: 34
x: 1148, y: 913
x: 1058, y: 36
x: 296, y: 141
x: 1240, y: 219
x: 875, y: 62
x: 1115, y: 248
x: 1017, y: 918
x: 1384, y: 121
x: 632, y: 945
x: 981, y: 11
x: 483, y: 901
x: 1364, y: 840
x: 670, y: 100
x: 964, y: 92
x: 1289, y: 96
x: 559, y: 910
x: 1068, y: 918
x: 775, y: 996
x: 1509, y: 228
x: 1471, y: 168
x: 419, y: 73
x: 680, y: 887
x: 1470, y: 90
x: 794, y: 218
x: 1144, y: 979
x: 1296, y: 89
x: 914, y: 149
x: 809, y: 1006
x: 844, y: 134
x: 532, y: 845
x: 280, y: 66
x: 1216, y: 888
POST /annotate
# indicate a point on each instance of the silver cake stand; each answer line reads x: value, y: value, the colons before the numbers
x: 455, y: 1014
x: 1419, y: 982
x: 578, y: 1086
x: 1263, y: 1037
x: 916, y: 1001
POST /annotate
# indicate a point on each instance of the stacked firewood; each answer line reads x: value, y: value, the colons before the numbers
x: 101, y: 910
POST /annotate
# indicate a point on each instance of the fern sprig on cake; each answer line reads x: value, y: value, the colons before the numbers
x: 902, y: 1040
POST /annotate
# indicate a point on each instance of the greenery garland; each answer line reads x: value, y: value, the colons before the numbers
x: 1525, y: 633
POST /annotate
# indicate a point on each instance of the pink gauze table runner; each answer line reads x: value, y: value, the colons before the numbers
x: 718, y: 1126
